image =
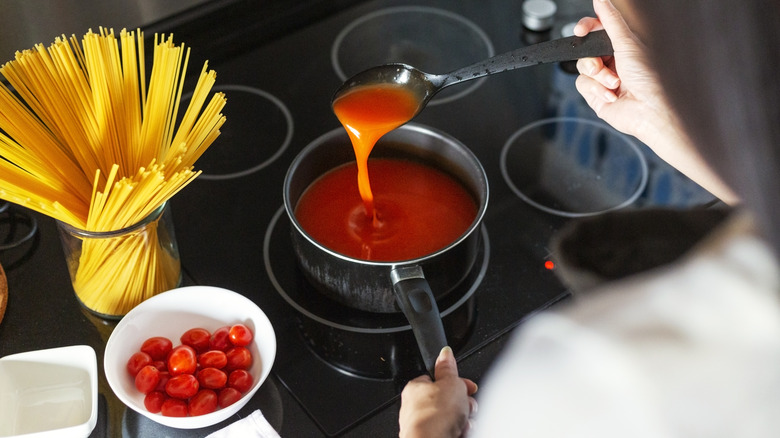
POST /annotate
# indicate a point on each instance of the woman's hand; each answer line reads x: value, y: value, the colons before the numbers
x: 624, y: 91
x: 441, y: 408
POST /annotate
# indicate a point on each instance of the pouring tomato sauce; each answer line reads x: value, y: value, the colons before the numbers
x: 367, y: 114
x: 414, y: 209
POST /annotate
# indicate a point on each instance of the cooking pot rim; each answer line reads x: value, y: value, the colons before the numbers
x: 415, y: 127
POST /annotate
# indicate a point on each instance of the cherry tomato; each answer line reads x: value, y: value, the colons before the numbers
x: 213, y: 359
x: 157, y: 347
x: 207, y: 371
x: 154, y: 401
x: 240, y: 335
x: 147, y: 379
x: 241, y: 380
x: 212, y: 378
x: 239, y: 358
x: 137, y: 361
x: 174, y: 407
x: 182, y: 386
x: 165, y: 376
x: 182, y: 360
x: 197, y: 338
x: 220, y: 339
x: 204, y: 402
x: 228, y: 396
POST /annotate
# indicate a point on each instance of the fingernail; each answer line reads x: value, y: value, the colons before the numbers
x: 610, y: 96
x: 446, y: 352
x: 613, y: 82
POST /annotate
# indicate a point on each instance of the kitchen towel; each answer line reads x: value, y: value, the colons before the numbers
x: 253, y: 426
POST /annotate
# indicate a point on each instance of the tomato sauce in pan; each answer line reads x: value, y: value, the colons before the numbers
x: 419, y: 210
x: 405, y: 211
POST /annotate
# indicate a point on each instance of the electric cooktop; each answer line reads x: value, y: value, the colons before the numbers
x: 278, y: 63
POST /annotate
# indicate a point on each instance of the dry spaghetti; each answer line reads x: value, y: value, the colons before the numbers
x: 85, y: 139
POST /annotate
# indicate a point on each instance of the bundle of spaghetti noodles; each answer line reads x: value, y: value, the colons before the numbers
x: 84, y: 139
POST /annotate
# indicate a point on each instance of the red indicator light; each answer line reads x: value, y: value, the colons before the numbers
x: 549, y: 265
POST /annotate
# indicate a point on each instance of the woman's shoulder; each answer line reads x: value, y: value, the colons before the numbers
x: 728, y: 281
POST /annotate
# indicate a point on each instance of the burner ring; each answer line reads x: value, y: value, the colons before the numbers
x: 351, y: 328
x: 277, y: 103
x: 398, y: 53
x: 573, y: 167
x: 12, y: 219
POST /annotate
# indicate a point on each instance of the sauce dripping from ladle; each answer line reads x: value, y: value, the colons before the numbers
x: 367, y: 114
x: 382, y: 98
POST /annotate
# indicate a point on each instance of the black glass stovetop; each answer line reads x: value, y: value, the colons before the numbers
x: 278, y: 75
x: 278, y: 101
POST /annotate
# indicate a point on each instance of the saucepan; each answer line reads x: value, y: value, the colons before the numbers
x: 410, y: 286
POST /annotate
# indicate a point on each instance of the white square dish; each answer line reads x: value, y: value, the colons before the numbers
x: 49, y: 393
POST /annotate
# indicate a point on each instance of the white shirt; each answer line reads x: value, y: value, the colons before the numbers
x: 687, y: 350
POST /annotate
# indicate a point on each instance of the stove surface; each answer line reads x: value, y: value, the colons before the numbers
x: 233, y: 232
x: 299, y: 72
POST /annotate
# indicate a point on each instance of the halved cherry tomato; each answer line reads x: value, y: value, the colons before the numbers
x: 220, y: 339
x: 182, y: 360
x: 182, y: 386
x: 204, y: 402
x: 157, y: 347
x: 154, y: 401
x: 213, y: 359
x: 212, y: 378
x: 228, y: 396
x: 240, y: 335
x: 241, y: 380
x: 197, y: 338
x: 137, y: 361
x: 147, y: 379
x: 174, y: 407
x: 239, y: 358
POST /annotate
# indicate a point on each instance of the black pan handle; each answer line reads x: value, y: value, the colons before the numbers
x: 416, y: 300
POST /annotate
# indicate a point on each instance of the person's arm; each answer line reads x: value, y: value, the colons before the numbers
x: 437, y: 409
x: 624, y: 91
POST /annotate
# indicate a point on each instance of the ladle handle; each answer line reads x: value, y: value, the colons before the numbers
x: 563, y: 49
x: 416, y: 300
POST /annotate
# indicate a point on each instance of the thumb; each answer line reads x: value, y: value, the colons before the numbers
x: 445, y: 364
x: 613, y: 22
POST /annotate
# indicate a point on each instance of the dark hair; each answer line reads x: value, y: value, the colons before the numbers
x: 718, y: 62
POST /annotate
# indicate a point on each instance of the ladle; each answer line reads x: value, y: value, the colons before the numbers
x: 426, y: 85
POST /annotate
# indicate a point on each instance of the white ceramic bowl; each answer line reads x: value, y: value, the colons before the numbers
x: 49, y: 393
x: 172, y: 313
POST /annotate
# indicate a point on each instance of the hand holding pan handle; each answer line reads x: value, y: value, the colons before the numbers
x: 416, y: 300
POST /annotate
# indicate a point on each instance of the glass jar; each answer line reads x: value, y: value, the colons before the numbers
x: 114, y: 271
